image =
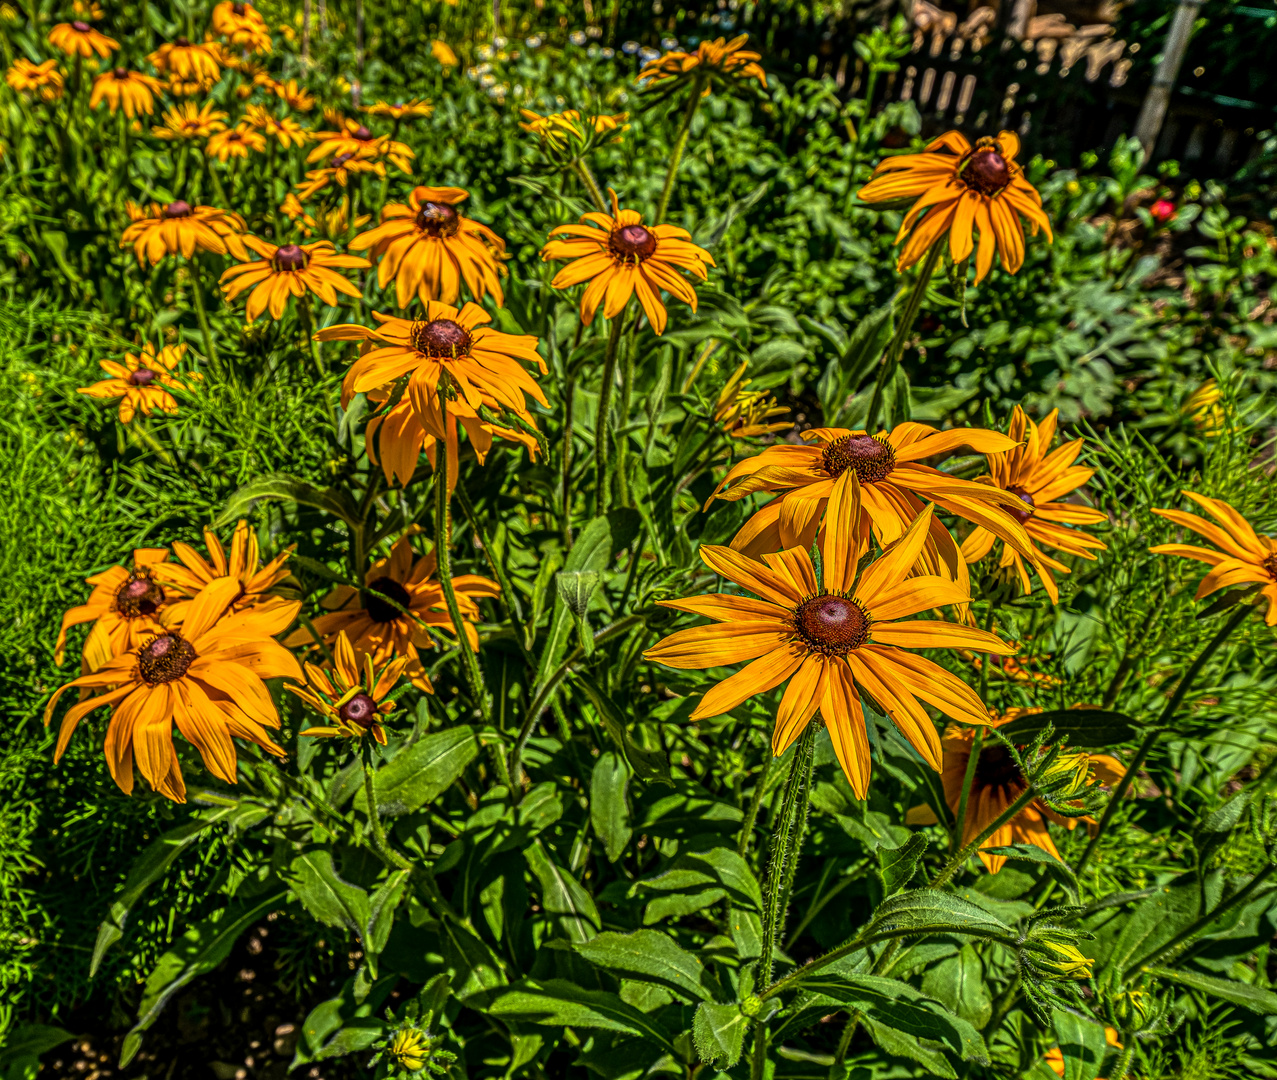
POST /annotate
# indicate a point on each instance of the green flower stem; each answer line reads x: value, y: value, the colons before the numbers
x: 565, y: 460
x: 1124, y: 1061
x: 392, y: 857
x: 591, y: 185
x: 955, y: 862
x: 897, y: 346
x: 308, y: 335
x: 201, y: 313
x: 860, y: 139
x: 623, y: 415
x: 443, y: 559
x: 680, y: 144
x: 1163, y: 721
x: 977, y: 744
x: 755, y: 801
x: 602, y: 500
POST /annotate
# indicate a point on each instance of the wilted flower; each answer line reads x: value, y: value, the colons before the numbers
x: 747, y: 413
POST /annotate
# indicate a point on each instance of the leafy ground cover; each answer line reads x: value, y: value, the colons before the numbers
x: 562, y: 856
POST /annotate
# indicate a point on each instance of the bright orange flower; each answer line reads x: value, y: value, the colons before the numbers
x: 342, y: 166
x: 131, y: 90
x: 189, y: 121
x: 187, y: 62
x: 27, y: 78
x: 287, y: 130
x: 400, y: 110
x: 242, y: 26
x: 80, y: 39
x: 352, y: 696
x: 239, y: 142
x: 125, y: 608
x: 142, y: 383
x: 356, y: 140
x: 180, y: 228
x: 718, y: 60
x: 290, y: 270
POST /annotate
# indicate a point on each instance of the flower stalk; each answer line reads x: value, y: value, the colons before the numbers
x: 680, y: 144
x: 602, y: 437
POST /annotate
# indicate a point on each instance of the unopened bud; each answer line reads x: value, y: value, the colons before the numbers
x: 752, y: 1005
x: 1068, y: 775
x: 1066, y: 960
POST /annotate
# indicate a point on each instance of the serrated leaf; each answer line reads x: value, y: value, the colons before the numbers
x: 719, y: 1033
x: 897, y: 867
x: 1061, y: 871
x: 651, y: 956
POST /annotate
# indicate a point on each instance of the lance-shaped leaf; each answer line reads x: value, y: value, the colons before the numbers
x: 288, y: 488
x: 325, y: 894
x: 563, y: 896
x: 649, y: 956
x: 421, y: 773
x: 559, y: 1003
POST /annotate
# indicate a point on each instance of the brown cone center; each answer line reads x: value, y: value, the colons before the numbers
x: 997, y: 768
x: 440, y: 338
x: 361, y: 710
x: 143, y: 377
x: 177, y: 209
x: 239, y: 9
x: 869, y: 458
x: 362, y: 134
x: 290, y: 257
x: 182, y: 43
x: 1022, y: 514
x: 438, y: 219
x: 81, y: 27
x: 987, y: 171
x: 379, y: 608
x: 632, y: 243
x: 1270, y: 564
x: 139, y: 596
x: 122, y: 74
x: 164, y: 658
x: 833, y: 625
x: 341, y: 160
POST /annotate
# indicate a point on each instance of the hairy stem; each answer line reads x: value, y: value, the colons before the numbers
x: 680, y: 144
x: 602, y: 437
x: 955, y: 862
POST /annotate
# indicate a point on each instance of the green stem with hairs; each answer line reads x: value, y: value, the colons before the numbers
x: 591, y: 185
x: 602, y: 495
x: 956, y: 861
x: 201, y: 313
x: 680, y: 144
x: 308, y: 333
x: 755, y: 801
x: 1163, y: 721
x: 896, y: 348
x: 382, y: 845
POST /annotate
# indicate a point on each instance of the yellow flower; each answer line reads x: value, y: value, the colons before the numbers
x: 342, y: 166
x: 962, y: 188
x: 357, y: 141
x: 745, y: 413
x: 410, y: 1049
x: 352, y: 700
x: 142, y: 383
x: 620, y: 256
x: 441, y: 52
x: 180, y: 228
x: 1203, y: 409
x: 258, y: 583
x: 1246, y: 558
x: 833, y: 641
x: 287, y: 130
x: 242, y: 26
x: 291, y: 270
x: 130, y: 90
x: 558, y: 129
x: 189, y: 121
x: 187, y: 62
x: 429, y: 249
x: 80, y: 39
x: 238, y: 142
x: 125, y: 608
x: 294, y: 96
x: 400, y: 110
x: 44, y: 79
x: 718, y: 60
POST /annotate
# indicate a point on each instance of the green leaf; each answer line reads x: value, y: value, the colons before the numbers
x: 719, y: 1033
x: 609, y: 811
x: 651, y: 956
x: 331, y: 900
x: 23, y: 1045
x: 1255, y: 998
x: 896, y: 868
x: 904, y: 1045
x: 696, y: 879
x: 421, y: 773
x: 1082, y: 1044
x: 473, y: 965
x: 647, y: 764
x: 563, y: 896
x: 591, y: 551
x: 866, y: 343
x: 1082, y: 727
x: 201, y: 949
x: 381, y: 911
x: 152, y: 864
x: 957, y: 982
x: 1061, y: 871
x: 559, y: 1003
x: 1153, y: 923
x: 289, y: 489
x: 929, y: 911
x: 325, y: 1022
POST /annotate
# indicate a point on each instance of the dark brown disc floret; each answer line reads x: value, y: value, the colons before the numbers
x: 362, y: 134
x: 164, y: 658
x: 380, y: 608
x: 440, y: 338
x: 985, y: 169
x: 1021, y: 514
x: 121, y: 74
x: 1270, y: 564
x: 290, y: 257
x: 81, y: 27
x: 360, y: 710
x: 870, y: 458
x: 177, y: 208
x: 140, y: 595
x: 632, y: 243
x: 832, y: 624
x: 997, y: 768
x: 143, y: 377
x: 438, y: 219
x: 182, y: 43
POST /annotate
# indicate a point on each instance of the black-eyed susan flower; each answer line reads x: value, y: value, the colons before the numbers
x: 893, y: 484
x: 285, y: 130
x: 719, y: 61
x: 559, y: 130
x: 128, y: 90
x: 996, y: 783
x: 1245, y: 556
x: 400, y: 110
x: 958, y: 188
x: 473, y: 362
x: 834, y: 640
x: 746, y: 414
x: 442, y: 52
x: 188, y: 62
x: 242, y: 26
x: 620, y: 256
x: 292, y: 270
x: 190, y: 121
x: 188, y: 577
x: 351, y: 697
x: 205, y: 678
x: 342, y: 168
x: 357, y: 141
x: 78, y: 38
x: 142, y: 383
x: 292, y: 95
x: 43, y: 79
x: 182, y: 229
x: 1203, y: 410
x: 394, y: 613
x: 238, y: 142
x: 428, y: 248
x: 125, y: 607
x: 1040, y: 478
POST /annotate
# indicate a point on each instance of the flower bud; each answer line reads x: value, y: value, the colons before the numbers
x: 752, y: 1005
x: 1065, y: 959
x: 1068, y: 775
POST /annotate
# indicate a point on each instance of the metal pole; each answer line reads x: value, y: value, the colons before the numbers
x: 1153, y: 112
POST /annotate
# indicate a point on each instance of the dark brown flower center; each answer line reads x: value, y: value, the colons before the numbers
x: 164, y: 658
x: 363, y: 134
x: 139, y: 596
x: 143, y: 377
x: 122, y: 74
x: 81, y: 27
x: 341, y: 160
x: 379, y: 608
x: 361, y: 710
x: 997, y: 768
x: 870, y: 458
x: 833, y: 625
x: 1270, y: 564
x: 632, y: 243
x: 182, y: 43
x: 1022, y: 515
x: 239, y: 9
x: 438, y: 219
x: 177, y: 209
x: 290, y: 257
x: 440, y: 338
x: 986, y: 171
